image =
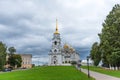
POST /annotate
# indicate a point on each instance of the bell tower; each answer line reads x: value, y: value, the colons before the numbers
x: 56, y: 41
x: 55, y: 56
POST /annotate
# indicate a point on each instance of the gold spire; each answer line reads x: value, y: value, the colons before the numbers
x: 56, y: 32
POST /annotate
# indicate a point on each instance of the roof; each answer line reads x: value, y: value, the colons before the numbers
x: 26, y: 55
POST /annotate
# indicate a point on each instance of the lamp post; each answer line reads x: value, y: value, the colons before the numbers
x: 88, y: 66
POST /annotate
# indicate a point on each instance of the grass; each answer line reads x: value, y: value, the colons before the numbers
x: 115, y: 73
x: 46, y: 73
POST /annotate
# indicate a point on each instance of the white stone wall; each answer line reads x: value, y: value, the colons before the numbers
x: 59, y: 59
x: 49, y: 63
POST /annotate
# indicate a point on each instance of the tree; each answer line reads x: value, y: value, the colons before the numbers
x: 115, y: 58
x: 12, y: 50
x: 15, y: 60
x: 110, y: 38
x: 95, y: 53
x: 73, y: 62
x: 3, y: 53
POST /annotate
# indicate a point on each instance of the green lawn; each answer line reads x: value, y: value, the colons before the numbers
x: 46, y: 73
x: 104, y: 71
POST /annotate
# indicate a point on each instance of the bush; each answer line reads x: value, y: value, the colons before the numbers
x: 73, y: 62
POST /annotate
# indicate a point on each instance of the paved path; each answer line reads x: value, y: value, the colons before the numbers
x: 99, y: 76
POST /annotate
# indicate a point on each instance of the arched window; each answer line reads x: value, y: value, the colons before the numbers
x: 54, y: 59
x: 55, y: 42
x: 55, y: 50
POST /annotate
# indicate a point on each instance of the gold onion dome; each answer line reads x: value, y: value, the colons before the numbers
x: 66, y: 46
x: 56, y: 32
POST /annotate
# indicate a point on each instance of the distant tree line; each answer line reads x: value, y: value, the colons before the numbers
x: 13, y: 59
x: 108, y: 50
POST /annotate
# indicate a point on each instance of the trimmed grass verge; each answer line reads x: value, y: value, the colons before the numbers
x: 46, y: 73
x: 104, y: 71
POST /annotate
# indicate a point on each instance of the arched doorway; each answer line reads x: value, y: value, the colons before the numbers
x: 54, y: 60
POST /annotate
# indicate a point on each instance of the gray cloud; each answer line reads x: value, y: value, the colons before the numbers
x: 28, y: 25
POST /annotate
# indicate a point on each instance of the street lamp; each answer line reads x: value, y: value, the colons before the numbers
x: 88, y: 66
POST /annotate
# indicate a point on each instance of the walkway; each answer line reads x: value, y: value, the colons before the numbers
x: 99, y: 76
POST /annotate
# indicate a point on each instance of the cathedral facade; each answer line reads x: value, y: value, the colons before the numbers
x: 59, y: 55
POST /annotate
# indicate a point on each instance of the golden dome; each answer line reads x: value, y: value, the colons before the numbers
x: 71, y: 49
x: 66, y: 46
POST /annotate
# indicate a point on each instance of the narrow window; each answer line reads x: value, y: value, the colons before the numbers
x: 55, y: 42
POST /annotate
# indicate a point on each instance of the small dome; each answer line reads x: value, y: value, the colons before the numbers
x: 66, y: 46
x: 71, y: 49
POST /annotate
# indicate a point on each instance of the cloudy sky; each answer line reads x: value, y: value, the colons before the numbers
x: 28, y: 25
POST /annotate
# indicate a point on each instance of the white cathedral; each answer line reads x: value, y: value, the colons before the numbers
x: 59, y: 55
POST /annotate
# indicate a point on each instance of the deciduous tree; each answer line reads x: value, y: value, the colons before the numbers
x: 15, y: 60
x: 3, y: 53
x: 95, y: 53
x: 110, y: 37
